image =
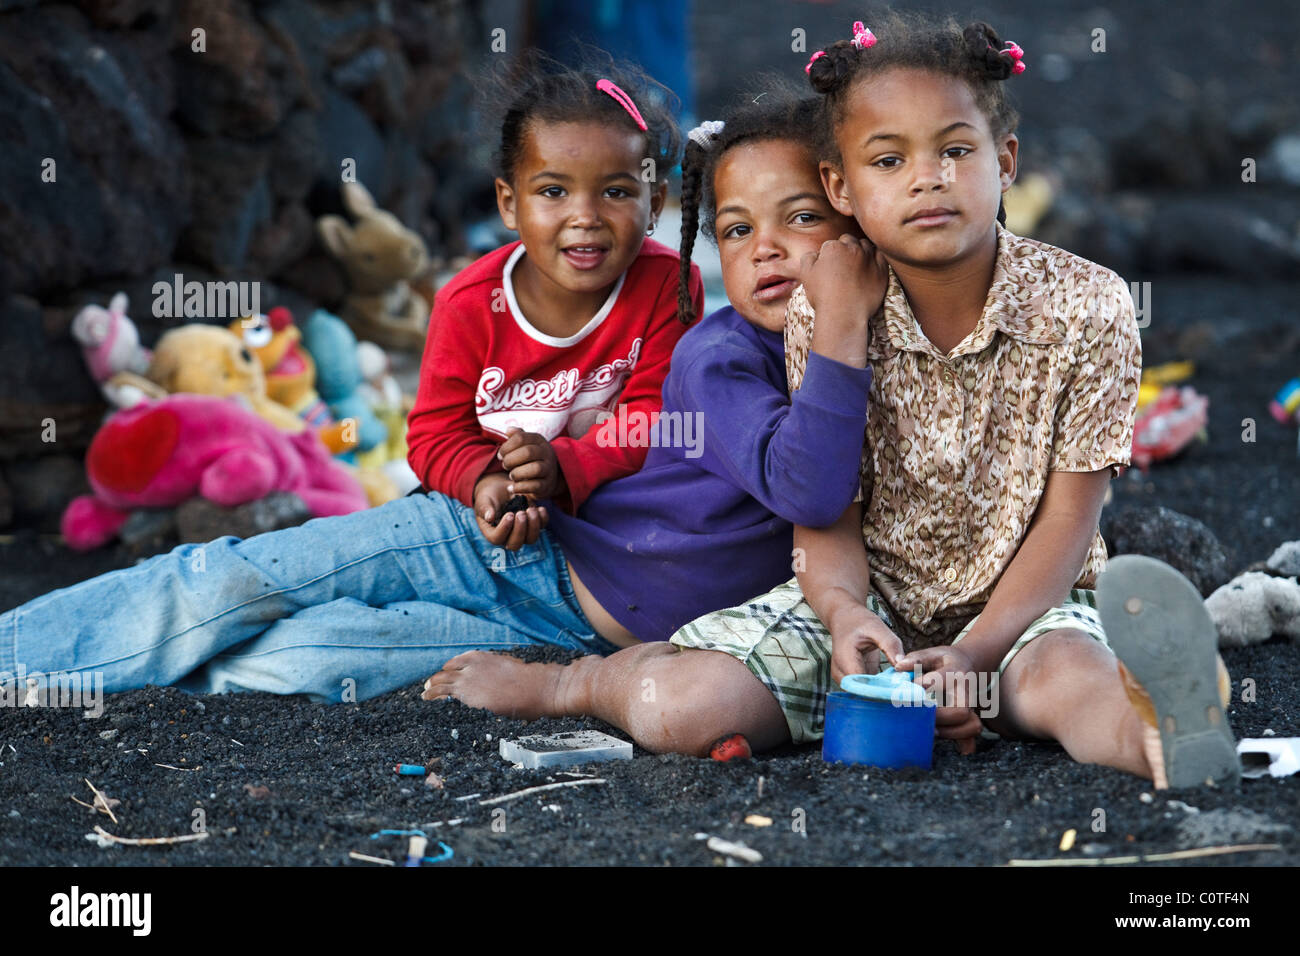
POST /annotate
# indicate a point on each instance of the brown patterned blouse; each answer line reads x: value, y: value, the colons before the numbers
x: 958, y: 447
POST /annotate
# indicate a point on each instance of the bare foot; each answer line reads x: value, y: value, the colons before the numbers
x: 502, y: 684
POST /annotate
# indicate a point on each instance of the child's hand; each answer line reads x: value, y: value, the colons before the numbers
x: 505, y: 529
x: 950, y: 673
x: 856, y: 635
x: 845, y: 281
x: 530, y: 461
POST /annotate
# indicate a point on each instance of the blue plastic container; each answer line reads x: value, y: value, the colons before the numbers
x: 884, y: 720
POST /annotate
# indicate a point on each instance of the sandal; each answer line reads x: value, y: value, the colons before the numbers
x: 1157, y: 625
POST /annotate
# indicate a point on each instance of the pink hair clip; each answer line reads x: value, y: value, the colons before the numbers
x: 625, y: 101
x: 1013, y: 50
x: 813, y: 59
x: 862, y: 37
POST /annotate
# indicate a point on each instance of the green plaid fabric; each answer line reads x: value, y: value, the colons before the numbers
x: 781, y: 640
x: 1079, y: 612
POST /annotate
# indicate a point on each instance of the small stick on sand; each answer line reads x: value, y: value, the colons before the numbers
x: 737, y: 850
x: 549, y: 786
x: 353, y: 854
x: 1150, y: 858
x: 151, y: 841
x: 100, y: 799
x: 167, y: 766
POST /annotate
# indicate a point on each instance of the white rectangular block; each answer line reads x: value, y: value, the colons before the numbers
x: 565, y: 750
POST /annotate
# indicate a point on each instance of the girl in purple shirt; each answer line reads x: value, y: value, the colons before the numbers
x: 688, y: 529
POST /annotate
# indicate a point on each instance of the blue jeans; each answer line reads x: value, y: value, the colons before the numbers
x: 342, y: 608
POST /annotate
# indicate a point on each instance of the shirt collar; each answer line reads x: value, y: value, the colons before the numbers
x: 1016, y: 306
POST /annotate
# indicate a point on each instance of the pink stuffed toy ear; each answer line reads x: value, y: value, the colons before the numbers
x: 87, y: 523
x: 125, y: 456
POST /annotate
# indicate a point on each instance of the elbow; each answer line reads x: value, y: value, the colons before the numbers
x: 820, y: 513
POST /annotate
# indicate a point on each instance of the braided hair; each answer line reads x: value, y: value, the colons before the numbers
x: 774, y: 115
x: 915, y: 41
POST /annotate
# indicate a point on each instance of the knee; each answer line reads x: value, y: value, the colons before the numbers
x: 1065, y: 654
x: 695, y: 697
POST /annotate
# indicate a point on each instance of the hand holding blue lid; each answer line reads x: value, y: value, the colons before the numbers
x: 952, y: 677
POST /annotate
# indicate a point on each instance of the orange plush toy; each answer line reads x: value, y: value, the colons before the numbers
x: 291, y: 374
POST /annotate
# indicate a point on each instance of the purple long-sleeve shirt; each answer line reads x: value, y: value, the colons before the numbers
x: 708, y: 521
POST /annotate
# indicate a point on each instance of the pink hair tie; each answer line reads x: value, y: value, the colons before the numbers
x: 862, y: 37
x: 625, y: 101
x: 1016, y: 54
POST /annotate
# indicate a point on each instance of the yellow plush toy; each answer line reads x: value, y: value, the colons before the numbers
x: 210, y: 360
x: 291, y: 374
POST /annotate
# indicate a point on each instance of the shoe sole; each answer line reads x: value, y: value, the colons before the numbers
x: 1157, y: 625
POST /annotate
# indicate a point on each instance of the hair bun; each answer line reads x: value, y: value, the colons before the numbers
x: 984, y: 46
x: 829, y: 73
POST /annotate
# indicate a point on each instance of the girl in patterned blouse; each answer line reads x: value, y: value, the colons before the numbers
x: 1005, y: 378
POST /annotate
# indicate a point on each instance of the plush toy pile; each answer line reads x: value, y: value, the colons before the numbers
x: 232, y: 414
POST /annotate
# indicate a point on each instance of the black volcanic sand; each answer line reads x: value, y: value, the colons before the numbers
x: 329, y: 773
x: 329, y: 769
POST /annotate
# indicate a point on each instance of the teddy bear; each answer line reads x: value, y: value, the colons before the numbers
x: 160, y: 453
x: 1257, y: 605
x: 291, y: 374
x: 210, y: 360
x: 383, y: 260
x: 110, y: 343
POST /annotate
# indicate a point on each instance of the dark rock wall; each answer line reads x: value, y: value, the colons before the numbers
x: 213, y: 164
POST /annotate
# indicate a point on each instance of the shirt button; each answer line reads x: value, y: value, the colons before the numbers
x: 950, y: 511
x: 950, y: 574
x: 631, y: 607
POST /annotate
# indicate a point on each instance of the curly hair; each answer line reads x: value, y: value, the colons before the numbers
x: 917, y: 41
x: 536, y: 88
x: 783, y: 116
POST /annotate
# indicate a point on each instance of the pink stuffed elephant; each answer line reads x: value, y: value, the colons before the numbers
x: 161, y: 452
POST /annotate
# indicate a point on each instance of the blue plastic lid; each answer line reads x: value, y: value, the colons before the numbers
x: 889, y: 686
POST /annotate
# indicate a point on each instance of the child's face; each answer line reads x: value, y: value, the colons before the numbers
x: 772, y: 210
x: 921, y: 172
x: 579, y: 204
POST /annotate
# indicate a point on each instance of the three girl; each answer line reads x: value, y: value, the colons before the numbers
x: 1005, y: 377
x: 1002, y: 376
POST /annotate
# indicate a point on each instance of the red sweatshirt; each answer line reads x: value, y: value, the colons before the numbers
x: 486, y: 370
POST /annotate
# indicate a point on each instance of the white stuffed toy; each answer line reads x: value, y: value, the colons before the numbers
x: 1255, y: 606
x: 110, y: 344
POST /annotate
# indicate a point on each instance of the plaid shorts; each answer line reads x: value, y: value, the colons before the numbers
x: 781, y: 640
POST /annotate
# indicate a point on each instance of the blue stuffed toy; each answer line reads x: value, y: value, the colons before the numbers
x: 338, y: 377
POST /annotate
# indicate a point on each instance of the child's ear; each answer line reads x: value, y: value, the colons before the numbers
x: 506, y: 204
x: 658, y: 195
x: 1008, y: 155
x: 836, y: 188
